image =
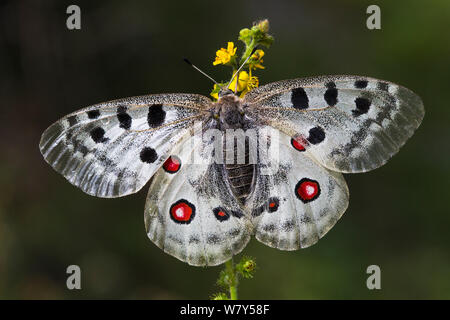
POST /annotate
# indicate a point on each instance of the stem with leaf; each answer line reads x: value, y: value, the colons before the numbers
x: 232, y: 279
x: 229, y: 277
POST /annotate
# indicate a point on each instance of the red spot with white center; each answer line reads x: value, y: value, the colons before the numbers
x: 172, y: 164
x: 182, y: 211
x: 298, y: 144
x: 307, y: 190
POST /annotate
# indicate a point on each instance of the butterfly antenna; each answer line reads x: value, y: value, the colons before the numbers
x: 242, y: 65
x: 203, y: 73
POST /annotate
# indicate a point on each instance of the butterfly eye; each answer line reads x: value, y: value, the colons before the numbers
x: 216, y: 116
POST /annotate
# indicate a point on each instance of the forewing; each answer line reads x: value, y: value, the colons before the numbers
x: 348, y: 123
x: 112, y: 149
x: 295, y: 200
x: 191, y: 212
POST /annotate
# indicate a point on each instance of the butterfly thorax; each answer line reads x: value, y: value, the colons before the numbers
x: 229, y: 112
x: 230, y: 115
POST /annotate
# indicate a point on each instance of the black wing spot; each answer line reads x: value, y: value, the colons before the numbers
x: 194, y: 240
x: 330, y: 85
x: 213, y: 239
x: 288, y: 225
x: 156, y: 115
x: 299, y: 98
x: 93, y: 114
x: 330, y: 96
x: 269, y: 228
x: 362, y: 106
x: 124, y: 118
x: 361, y: 84
x: 98, y: 135
x: 258, y: 211
x: 72, y: 120
x: 384, y: 86
x: 121, y: 109
x: 316, y: 135
x: 148, y: 155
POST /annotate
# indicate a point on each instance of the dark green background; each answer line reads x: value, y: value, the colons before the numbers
x: 398, y: 217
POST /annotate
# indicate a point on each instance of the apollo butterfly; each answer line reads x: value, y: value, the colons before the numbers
x: 204, y: 212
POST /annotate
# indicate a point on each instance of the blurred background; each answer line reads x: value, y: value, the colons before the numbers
x: 398, y: 217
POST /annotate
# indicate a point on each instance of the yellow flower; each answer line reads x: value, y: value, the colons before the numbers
x: 252, y: 83
x: 246, y: 83
x: 223, y: 56
x: 215, y: 92
x: 243, y: 78
x: 257, y: 59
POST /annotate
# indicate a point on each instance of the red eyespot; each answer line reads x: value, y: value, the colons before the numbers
x: 182, y: 211
x: 297, y: 144
x: 273, y: 204
x: 307, y: 190
x: 172, y: 164
x: 221, y: 214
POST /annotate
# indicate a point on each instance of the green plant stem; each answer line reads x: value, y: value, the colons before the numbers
x: 233, y: 293
x: 233, y: 280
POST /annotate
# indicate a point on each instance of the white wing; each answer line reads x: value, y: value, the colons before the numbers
x: 295, y: 200
x: 112, y: 149
x: 191, y: 212
x: 348, y: 123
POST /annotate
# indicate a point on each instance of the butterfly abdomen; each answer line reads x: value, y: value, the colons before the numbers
x: 240, y: 175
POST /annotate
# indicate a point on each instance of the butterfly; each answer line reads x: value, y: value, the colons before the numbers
x: 205, y: 212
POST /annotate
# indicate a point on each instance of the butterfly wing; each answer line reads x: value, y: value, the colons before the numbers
x: 347, y: 123
x: 295, y: 200
x: 190, y: 210
x: 112, y: 149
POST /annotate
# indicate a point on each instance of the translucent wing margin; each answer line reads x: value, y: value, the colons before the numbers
x: 347, y: 123
x: 112, y: 149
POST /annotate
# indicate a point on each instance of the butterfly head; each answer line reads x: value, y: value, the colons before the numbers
x: 225, y: 92
x: 229, y: 111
